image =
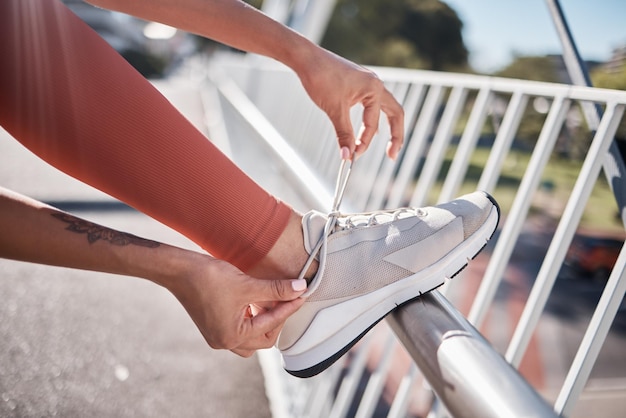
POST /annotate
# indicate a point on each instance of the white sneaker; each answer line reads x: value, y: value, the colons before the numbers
x: 372, y: 262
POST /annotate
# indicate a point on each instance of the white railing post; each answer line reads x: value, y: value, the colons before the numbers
x: 521, y: 204
x: 503, y: 141
x: 440, y: 143
x: 564, y: 233
x: 415, y: 145
x: 594, y: 338
x: 466, y: 146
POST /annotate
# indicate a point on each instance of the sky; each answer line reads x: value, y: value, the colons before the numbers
x: 495, y: 30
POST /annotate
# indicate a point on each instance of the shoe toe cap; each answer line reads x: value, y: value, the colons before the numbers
x: 473, y: 208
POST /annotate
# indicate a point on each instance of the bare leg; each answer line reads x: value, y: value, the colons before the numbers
x: 287, y: 256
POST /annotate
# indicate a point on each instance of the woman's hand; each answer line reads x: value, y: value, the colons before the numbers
x: 336, y: 84
x: 218, y: 297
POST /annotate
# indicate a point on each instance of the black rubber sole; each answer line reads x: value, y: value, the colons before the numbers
x: 320, y: 367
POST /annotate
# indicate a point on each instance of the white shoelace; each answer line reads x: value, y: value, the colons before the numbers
x: 342, y: 181
x: 372, y: 218
x: 352, y: 221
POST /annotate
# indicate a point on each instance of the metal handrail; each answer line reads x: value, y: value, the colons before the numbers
x: 467, y: 374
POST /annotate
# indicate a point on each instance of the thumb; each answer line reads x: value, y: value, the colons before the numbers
x: 279, y: 290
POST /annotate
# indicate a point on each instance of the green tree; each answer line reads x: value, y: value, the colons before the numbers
x: 401, y: 33
x: 612, y: 78
x: 606, y: 78
x: 532, y: 68
x: 435, y: 30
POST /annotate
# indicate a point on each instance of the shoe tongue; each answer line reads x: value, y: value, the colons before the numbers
x: 313, y: 224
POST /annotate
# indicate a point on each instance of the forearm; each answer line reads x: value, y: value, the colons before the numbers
x: 35, y: 232
x: 216, y: 294
x: 231, y: 22
x: 333, y: 83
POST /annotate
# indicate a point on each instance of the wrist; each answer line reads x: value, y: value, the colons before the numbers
x: 297, y: 52
x: 172, y: 266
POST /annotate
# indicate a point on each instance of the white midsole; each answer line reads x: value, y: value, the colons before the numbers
x: 361, y: 312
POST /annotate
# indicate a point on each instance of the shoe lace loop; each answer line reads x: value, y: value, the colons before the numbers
x: 342, y: 181
x: 351, y: 221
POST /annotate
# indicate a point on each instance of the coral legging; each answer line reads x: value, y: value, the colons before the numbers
x: 67, y: 96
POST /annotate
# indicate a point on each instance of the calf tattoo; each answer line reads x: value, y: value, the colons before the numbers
x: 97, y: 232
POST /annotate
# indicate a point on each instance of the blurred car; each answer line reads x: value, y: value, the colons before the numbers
x: 593, y: 257
x: 153, y: 49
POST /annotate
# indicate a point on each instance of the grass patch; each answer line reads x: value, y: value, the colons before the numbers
x: 556, y: 185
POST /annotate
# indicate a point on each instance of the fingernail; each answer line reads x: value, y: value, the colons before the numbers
x: 392, y: 152
x: 298, y: 285
x: 345, y: 153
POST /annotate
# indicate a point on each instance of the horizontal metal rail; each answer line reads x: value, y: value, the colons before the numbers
x: 468, y: 375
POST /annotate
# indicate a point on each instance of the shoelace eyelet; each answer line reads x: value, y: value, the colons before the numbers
x: 372, y: 220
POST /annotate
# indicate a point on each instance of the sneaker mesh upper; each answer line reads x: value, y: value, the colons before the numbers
x: 366, y: 267
x: 364, y: 261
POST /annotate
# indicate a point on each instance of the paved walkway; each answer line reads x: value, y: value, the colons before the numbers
x: 76, y: 343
